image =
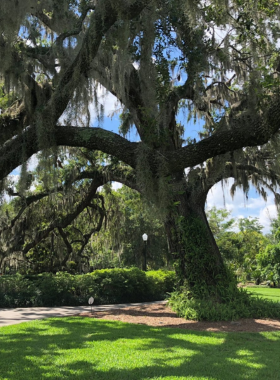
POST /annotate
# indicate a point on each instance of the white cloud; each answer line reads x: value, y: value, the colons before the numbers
x: 32, y: 163
x: 136, y: 65
x: 116, y: 185
x: 110, y: 105
x: 240, y: 207
x: 266, y: 215
x: 109, y: 102
x: 13, y: 177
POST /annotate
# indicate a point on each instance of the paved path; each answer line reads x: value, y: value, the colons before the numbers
x: 19, y: 315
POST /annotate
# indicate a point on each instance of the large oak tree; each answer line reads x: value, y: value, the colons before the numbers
x: 214, y: 59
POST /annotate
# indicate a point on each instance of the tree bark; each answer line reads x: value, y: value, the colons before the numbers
x: 198, y: 263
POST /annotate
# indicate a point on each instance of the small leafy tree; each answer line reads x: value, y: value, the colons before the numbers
x: 241, y: 249
x: 219, y: 221
x: 249, y: 224
x: 269, y: 263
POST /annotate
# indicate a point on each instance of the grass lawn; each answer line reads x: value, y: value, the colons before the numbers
x: 81, y: 348
x: 272, y: 294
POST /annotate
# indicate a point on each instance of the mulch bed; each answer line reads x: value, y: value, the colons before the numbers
x: 160, y: 315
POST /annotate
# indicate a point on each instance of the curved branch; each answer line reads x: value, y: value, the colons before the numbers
x: 211, y: 85
x: 112, y: 174
x: 26, y: 202
x: 25, y: 145
x: 78, y: 26
x: 86, y: 237
x: 186, y: 91
x: 93, y: 230
x: 105, y: 15
x: 65, y: 221
x: 230, y: 170
x: 244, y: 130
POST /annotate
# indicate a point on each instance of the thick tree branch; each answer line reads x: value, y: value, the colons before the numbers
x: 58, y: 24
x: 244, y: 130
x: 25, y: 145
x: 220, y: 171
x: 78, y: 26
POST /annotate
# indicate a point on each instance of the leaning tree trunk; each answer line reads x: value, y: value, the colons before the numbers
x: 197, y: 260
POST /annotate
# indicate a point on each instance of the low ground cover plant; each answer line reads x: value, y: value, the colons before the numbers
x: 85, y: 348
x: 107, y: 286
x: 253, y: 303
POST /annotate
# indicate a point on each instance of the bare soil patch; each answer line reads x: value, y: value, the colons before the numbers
x: 160, y: 315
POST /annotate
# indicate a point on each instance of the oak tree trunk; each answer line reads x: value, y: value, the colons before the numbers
x: 197, y: 260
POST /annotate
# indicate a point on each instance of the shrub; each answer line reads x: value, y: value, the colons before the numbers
x: 57, y: 290
x: 160, y: 283
x: 242, y: 305
x: 106, y: 286
x: 119, y: 285
x: 16, y: 291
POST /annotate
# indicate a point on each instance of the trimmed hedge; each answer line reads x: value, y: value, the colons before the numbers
x: 107, y: 286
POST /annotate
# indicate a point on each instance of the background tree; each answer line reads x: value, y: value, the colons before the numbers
x: 249, y: 224
x: 268, y: 262
x: 52, y: 225
x: 219, y: 221
x: 157, y: 57
x: 128, y: 217
x: 274, y: 235
x: 105, y: 232
x: 242, y: 250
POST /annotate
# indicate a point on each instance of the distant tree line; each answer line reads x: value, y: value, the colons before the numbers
x: 246, y: 250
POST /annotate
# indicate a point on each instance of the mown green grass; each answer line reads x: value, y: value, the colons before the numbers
x: 272, y: 294
x: 85, y: 348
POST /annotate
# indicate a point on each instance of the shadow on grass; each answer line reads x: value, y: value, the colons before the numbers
x: 81, y: 348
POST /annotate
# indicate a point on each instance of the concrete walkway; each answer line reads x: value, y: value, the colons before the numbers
x: 19, y: 315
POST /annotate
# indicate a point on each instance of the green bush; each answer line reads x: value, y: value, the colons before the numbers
x: 57, y: 290
x: 17, y: 291
x: 160, y: 283
x: 118, y: 285
x: 241, y: 305
x: 107, y: 286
